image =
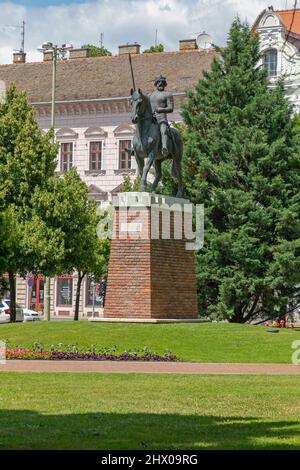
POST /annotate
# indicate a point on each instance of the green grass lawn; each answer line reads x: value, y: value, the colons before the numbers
x: 204, y: 342
x: 109, y: 411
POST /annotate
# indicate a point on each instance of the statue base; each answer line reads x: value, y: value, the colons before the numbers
x: 152, y: 266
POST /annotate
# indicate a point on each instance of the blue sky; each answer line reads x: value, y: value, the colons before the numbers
x: 121, y: 21
x: 44, y: 3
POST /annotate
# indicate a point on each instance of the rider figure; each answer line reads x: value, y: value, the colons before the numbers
x: 162, y: 103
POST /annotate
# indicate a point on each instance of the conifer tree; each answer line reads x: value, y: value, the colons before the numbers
x: 242, y: 161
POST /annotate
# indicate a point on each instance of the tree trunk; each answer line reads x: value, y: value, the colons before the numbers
x: 78, y: 290
x: 252, y: 310
x: 238, y: 316
x: 12, y: 294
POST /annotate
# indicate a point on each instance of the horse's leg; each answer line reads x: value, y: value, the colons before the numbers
x: 157, y: 166
x: 140, y: 163
x: 177, y: 170
x: 146, y: 171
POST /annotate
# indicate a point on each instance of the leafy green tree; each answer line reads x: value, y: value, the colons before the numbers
x: 242, y: 161
x: 27, y: 160
x: 158, y: 48
x: 3, y: 247
x: 66, y: 214
x: 129, y: 186
x: 95, y: 51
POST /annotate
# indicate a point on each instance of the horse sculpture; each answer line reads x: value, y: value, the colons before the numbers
x: 147, y: 143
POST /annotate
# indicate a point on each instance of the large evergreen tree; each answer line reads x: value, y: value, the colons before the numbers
x: 242, y: 161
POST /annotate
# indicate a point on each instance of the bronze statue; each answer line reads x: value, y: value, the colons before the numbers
x: 154, y: 139
x: 162, y: 104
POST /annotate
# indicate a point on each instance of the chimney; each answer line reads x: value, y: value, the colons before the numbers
x: 78, y: 53
x: 19, y: 57
x: 130, y: 49
x: 47, y: 56
x: 187, y: 44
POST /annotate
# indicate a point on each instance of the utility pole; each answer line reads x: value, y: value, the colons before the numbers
x: 23, y: 36
x: 54, y: 66
x: 22, y: 27
x: 57, y: 53
x: 101, y: 40
x: 47, y: 300
x: 155, y: 41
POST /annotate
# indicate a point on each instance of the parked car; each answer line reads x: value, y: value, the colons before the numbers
x: 5, y: 307
x: 4, y: 313
x: 30, y: 315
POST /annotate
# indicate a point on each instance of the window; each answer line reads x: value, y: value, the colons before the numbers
x: 95, y: 155
x: 124, y: 156
x: 66, y: 156
x: 270, y: 62
x: 64, y: 291
x: 93, y: 294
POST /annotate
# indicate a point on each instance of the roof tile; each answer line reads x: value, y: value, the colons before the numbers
x: 106, y: 77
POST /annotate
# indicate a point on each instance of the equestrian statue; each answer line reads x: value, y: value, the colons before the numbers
x: 154, y: 140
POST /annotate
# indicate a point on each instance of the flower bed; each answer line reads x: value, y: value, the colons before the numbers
x: 28, y: 354
x: 279, y: 324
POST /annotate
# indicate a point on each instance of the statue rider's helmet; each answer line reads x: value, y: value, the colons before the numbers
x: 161, y: 79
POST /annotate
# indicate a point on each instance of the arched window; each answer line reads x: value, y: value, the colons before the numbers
x: 270, y: 62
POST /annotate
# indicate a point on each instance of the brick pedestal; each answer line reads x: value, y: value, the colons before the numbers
x: 151, y: 272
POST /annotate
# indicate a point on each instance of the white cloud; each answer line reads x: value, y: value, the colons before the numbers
x: 123, y: 21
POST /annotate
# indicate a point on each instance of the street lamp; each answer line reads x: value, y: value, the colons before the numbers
x: 59, y: 52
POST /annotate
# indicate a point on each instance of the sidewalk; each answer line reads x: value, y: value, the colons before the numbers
x: 149, y: 367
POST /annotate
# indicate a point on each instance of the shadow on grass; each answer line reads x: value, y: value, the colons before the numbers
x: 24, y: 429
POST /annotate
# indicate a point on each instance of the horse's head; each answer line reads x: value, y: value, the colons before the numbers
x: 137, y: 102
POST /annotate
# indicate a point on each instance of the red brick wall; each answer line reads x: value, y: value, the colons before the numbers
x: 149, y: 278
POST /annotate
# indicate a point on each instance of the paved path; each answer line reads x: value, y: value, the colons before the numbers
x: 149, y: 367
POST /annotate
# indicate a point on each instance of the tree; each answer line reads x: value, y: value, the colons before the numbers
x: 95, y: 51
x: 129, y: 186
x: 3, y: 247
x: 65, y: 213
x: 158, y: 48
x: 27, y: 160
x: 242, y: 161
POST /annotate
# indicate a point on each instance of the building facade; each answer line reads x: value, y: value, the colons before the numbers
x: 93, y: 129
x: 279, y: 32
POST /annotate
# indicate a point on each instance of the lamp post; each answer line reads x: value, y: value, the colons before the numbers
x: 59, y: 52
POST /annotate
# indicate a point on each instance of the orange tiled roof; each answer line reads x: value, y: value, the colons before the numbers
x: 287, y: 16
